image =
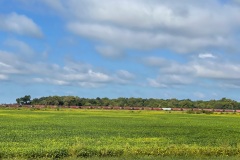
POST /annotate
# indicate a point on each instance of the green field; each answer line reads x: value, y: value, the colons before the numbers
x: 94, y: 134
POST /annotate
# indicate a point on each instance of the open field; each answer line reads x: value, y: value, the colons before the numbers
x: 117, y: 134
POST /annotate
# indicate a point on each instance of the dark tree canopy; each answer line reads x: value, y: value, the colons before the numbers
x: 223, y: 103
x: 24, y: 100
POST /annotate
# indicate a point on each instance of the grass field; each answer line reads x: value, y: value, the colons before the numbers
x: 112, y: 134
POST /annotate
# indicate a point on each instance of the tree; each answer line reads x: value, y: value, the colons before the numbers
x: 24, y: 100
x: 18, y: 100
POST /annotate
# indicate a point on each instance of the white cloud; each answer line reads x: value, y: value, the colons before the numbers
x: 186, y: 26
x: 127, y: 38
x: 166, y: 80
x: 9, y: 63
x: 71, y: 73
x: 109, y: 51
x: 80, y: 72
x: 3, y: 77
x: 98, y: 76
x: 56, y: 4
x: 50, y: 81
x: 229, y: 85
x: 155, y: 83
x: 199, y: 95
x: 221, y: 71
x: 124, y: 77
x: 155, y: 61
x: 167, y: 66
x: 20, y: 24
x: 206, y: 55
x: 83, y: 78
x: 217, y: 70
x: 125, y: 74
x: 89, y: 85
x: 20, y: 46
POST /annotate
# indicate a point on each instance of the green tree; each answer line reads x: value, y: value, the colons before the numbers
x: 24, y: 100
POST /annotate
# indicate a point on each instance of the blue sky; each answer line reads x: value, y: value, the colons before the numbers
x: 128, y: 48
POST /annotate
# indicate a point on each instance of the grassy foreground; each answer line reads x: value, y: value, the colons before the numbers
x: 95, y: 134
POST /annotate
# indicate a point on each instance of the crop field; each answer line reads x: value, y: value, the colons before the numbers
x: 94, y: 134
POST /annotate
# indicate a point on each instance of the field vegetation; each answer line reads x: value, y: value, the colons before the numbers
x: 71, y: 134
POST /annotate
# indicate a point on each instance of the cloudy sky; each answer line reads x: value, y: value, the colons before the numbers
x: 128, y: 48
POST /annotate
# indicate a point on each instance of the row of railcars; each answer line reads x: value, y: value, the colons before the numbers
x: 119, y: 108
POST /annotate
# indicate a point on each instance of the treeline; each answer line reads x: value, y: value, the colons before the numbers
x: 223, y: 103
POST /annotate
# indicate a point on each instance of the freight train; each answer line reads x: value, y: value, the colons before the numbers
x: 119, y: 108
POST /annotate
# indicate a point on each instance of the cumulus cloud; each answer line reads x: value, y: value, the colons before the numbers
x: 169, y: 80
x: 231, y: 85
x: 223, y: 70
x: 135, y: 39
x: 125, y: 74
x: 71, y: 73
x: 89, y: 76
x: 184, y: 27
x: 20, y: 24
x: 195, y: 70
x: 155, y: 83
x: 10, y: 63
x: 124, y: 77
x: 19, y: 46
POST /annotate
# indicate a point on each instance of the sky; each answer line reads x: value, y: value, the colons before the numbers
x: 164, y: 49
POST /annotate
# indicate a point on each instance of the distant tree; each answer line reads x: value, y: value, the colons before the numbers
x: 121, y: 101
x: 18, y: 100
x: 24, y: 100
x: 223, y: 103
x: 105, y: 101
x: 186, y: 103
